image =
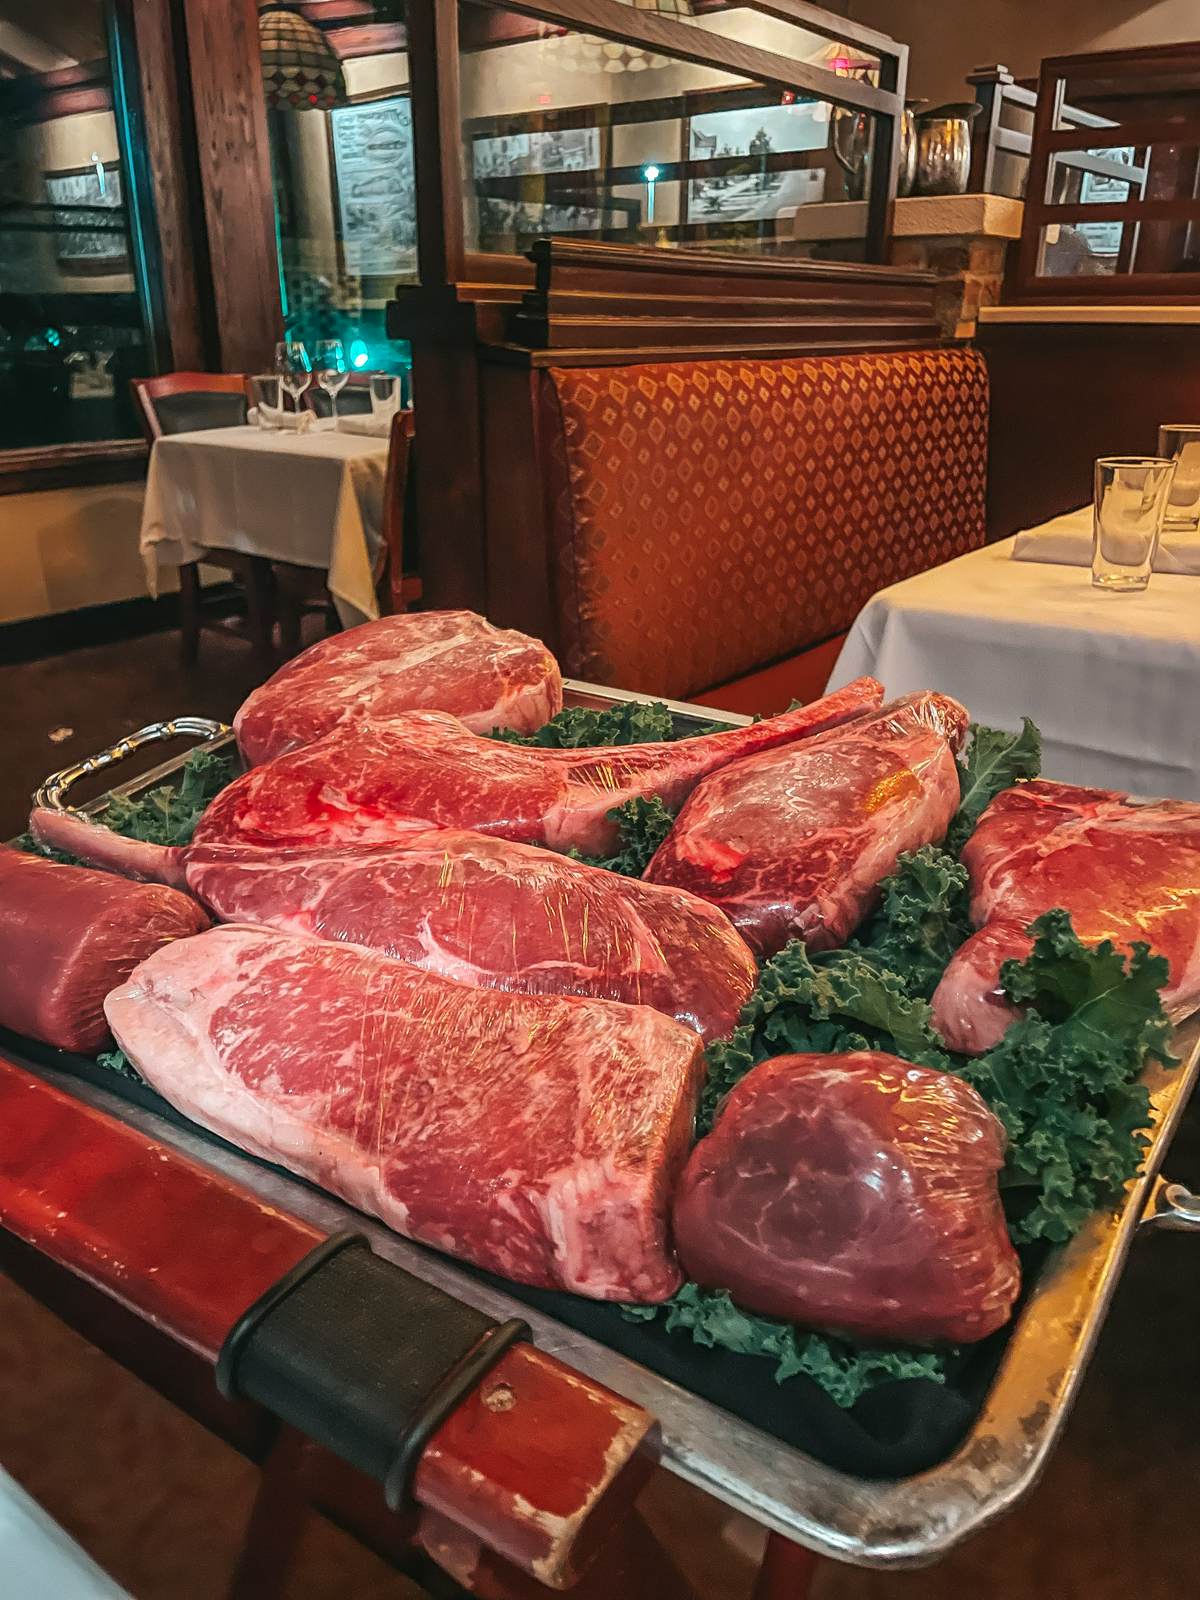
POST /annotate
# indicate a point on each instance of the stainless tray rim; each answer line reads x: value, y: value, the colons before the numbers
x: 901, y: 1523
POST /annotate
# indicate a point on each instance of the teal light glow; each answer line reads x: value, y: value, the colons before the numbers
x: 358, y: 353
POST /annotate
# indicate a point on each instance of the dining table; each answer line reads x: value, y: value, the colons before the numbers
x: 311, y: 497
x: 1110, y: 678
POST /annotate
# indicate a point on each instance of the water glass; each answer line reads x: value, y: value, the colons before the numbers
x: 333, y: 371
x: 266, y: 395
x: 294, y: 367
x: 385, y: 396
x: 1180, y: 442
x: 1127, y: 515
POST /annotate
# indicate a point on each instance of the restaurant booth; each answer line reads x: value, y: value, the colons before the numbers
x: 649, y: 1019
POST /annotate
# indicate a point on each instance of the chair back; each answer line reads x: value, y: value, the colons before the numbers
x: 396, y: 584
x: 354, y: 399
x: 183, y: 402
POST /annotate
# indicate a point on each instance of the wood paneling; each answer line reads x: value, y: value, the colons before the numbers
x: 235, y: 177
x: 59, y: 466
x: 1063, y: 394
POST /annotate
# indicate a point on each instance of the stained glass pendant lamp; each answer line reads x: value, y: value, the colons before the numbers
x: 301, y: 71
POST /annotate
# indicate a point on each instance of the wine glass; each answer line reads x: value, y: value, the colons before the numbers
x: 294, y: 367
x: 333, y: 370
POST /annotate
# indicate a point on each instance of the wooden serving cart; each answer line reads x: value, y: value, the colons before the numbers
x: 151, y: 1238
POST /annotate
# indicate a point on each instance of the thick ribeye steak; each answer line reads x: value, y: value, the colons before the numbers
x: 419, y: 661
x: 370, y: 782
x: 484, y: 911
x: 537, y: 1136
x: 854, y: 1193
x: 1123, y: 871
x: 68, y: 936
x: 794, y: 843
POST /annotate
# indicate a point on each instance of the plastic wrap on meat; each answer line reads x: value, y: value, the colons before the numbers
x: 853, y: 1193
x: 451, y: 661
x: 794, y: 843
x: 373, y: 782
x: 484, y: 911
x: 67, y: 936
x: 539, y: 1137
x: 1123, y: 871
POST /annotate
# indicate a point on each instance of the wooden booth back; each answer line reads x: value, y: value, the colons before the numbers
x: 706, y: 519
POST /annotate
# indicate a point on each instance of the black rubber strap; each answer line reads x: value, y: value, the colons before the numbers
x: 362, y: 1357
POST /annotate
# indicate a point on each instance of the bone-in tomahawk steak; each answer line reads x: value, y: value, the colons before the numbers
x: 855, y: 1193
x: 1123, y: 871
x: 539, y: 1137
x: 419, y: 661
x: 484, y: 911
x: 794, y: 843
x: 371, y: 782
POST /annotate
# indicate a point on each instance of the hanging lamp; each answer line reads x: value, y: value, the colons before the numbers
x: 301, y: 71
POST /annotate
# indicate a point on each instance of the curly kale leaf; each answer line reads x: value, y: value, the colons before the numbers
x: 994, y: 761
x: 922, y: 919
x: 631, y: 722
x: 642, y: 825
x: 1063, y: 1080
x: 844, y: 1371
x: 169, y: 814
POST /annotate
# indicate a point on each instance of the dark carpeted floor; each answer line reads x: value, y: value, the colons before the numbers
x: 162, y: 1505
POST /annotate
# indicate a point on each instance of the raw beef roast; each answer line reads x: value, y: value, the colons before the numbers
x: 68, y: 936
x: 420, y: 661
x: 485, y: 911
x: 1123, y: 871
x: 854, y: 1193
x: 794, y: 843
x: 539, y: 1137
x: 374, y: 781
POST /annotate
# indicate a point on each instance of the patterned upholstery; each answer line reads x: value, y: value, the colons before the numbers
x: 708, y: 518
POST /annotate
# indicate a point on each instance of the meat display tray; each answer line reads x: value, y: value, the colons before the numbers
x: 900, y: 1480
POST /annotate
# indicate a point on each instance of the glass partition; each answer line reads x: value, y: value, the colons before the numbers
x: 73, y: 325
x: 570, y: 133
x: 344, y: 176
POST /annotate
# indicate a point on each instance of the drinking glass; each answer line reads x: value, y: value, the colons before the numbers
x: 294, y: 367
x: 1180, y: 442
x: 385, y: 395
x: 332, y: 370
x: 266, y: 395
x: 1127, y: 513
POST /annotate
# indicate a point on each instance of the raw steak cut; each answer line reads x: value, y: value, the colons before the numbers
x: 68, y: 936
x: 854, y: 1193
x: 484, y: 911
x: 539, y: 1137
x: 374, y: 781
x: 419, y: 661
x: 1123, y: 871
x: 794, y: 843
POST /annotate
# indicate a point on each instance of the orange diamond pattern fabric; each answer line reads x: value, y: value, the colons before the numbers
x: 710, y: 517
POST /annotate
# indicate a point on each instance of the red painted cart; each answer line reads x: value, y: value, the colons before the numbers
x: 152, y: 1240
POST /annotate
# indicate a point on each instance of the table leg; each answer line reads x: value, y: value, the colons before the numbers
x: 787, y: 1571
x: 275, y: 1526
x: 260, y: 610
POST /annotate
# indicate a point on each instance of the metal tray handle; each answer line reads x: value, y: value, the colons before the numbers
x: 54, y: 790
x: 1171, y: 1207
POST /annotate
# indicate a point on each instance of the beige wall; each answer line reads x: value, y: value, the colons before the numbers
x: 948, y: 38
x: 62, y: 144
x: 66, y: 548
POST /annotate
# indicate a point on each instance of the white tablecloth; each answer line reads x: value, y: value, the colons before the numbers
x: 312, y: 498
x: 1112, y: 680
x: 39, y: 1561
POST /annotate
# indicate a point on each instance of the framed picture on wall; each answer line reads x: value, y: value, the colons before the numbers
x: 89, y: 218
x: 515, y: 155
x: 376, y: 187
x: 744, y: 182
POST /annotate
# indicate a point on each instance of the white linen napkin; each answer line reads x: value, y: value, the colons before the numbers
x: 287, y: 421
x: 1067, y: 541
x: 370, y: 427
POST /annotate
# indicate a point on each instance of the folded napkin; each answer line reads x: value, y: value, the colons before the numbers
x: 275, y: 421
x: 1067, y: 541
x: 371, y: 427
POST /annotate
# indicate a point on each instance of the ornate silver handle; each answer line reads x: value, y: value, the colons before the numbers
x: 53, y: 792
x: 1173, y: 1207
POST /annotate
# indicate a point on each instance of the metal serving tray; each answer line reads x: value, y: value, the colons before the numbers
x: 903, y: 1523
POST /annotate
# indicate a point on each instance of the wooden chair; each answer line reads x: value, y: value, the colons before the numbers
x: 180, y: 402
x: 302, y: 591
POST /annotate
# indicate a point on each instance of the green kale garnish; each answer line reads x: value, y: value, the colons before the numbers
x: 577, y: 727
x: 642, y: 825
x: 169, y: 814
x: 994, y: 761
x: 921, y: 921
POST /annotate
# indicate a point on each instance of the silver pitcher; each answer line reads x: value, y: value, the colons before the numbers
x: 944, y: 148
